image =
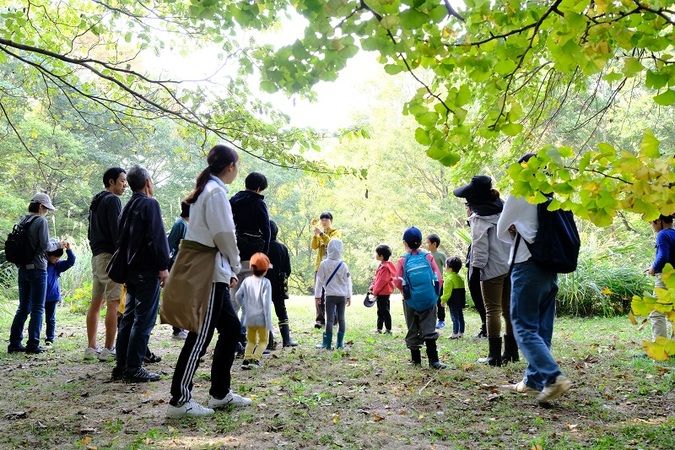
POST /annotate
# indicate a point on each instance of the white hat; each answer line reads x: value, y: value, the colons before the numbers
x: 53, y: 245
x: 44, y: 200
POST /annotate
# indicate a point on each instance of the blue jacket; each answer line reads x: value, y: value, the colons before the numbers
x: 54, y: 272
x: 665, y: 249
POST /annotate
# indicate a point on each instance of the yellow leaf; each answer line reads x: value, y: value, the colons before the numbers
x: 655, y: 351
x: 632, y: 319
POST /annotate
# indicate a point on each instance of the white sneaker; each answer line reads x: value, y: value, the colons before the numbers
x: 91, y: 353
x: 552, y: 391
x: 230, y: 399
x: 191, y: 409
x: 521, y: 388
x: 180, y: 336
x: 107, y: 354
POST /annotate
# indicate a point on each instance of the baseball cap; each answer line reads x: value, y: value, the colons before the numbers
x: 44, y: 200
x: 479, y: 187
x: 260, y: 261
x: 412, y: 235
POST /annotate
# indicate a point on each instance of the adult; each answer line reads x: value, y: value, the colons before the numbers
x: 142, y: 242
x: 177, y: 234
x: 490, y: 256
x: 212, y: 225
x: 473, y: 278
x: 322, y: 236
x: 278, y: 274
x: 32, y: 278
x: 104, y: 212
x: 533, y: 295
x: 665, y: 254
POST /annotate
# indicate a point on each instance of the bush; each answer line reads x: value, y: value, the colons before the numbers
x: 600, y: 289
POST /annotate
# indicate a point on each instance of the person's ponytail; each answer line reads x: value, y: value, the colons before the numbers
x: 220, y: 158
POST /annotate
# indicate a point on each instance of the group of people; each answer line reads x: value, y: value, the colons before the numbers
x: 250, y: 274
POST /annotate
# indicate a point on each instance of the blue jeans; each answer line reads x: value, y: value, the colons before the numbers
x: 140, y: 315
x: 533, y: 292
x: 32, y: 295
x: 457, y: 316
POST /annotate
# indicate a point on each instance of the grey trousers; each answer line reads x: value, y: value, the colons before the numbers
x: 421, y: 326
x: 335, y: 306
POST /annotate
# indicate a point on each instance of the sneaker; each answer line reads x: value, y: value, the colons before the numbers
x: 180, y: 336
x: 521, y: 388
x: 455, y: 336
x: 378, y: 331
x: 230, y: 399
x: 255, y: 364
x: 14, y: 349
x: 141, y: 376
x: 91, y: 353
x: 387, y: 332
x: 106, y: 354
x: 561, y: 385
x: 440, y: 325
x: 151, y: 358
x: 245, y: 365
x: 318, y: 325
x: 267, y: 351
x: 117, y: 374
x: 48, y: 343
x: 191, y: 409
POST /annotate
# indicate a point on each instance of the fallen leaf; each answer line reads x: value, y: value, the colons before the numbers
x: 86, y: 440
x: 572, y: 426
x: 16, y: 415
x: 377, y: 418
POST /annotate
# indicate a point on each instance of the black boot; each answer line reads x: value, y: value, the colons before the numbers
x: 510, y: 349
x: 495, y: 351
x: 482, y: 333
x: 271, y: 343
x: 286, y: 336
x: 432, y: 354
x: 415, y: 357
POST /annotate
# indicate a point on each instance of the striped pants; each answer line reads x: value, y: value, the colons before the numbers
x: 221, y: 316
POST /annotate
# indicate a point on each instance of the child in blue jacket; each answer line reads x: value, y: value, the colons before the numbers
x: 54, y: 270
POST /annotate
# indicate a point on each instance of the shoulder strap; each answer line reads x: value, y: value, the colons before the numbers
x: 333, y: 274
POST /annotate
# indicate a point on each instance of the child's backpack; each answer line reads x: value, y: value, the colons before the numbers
x: 420, y: 284
x: 17, y: 246
x: 556, y: 244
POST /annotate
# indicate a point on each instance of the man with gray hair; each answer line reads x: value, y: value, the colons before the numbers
x: 144, y: 245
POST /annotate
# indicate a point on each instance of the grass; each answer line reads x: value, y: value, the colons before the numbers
x: 364, y: 397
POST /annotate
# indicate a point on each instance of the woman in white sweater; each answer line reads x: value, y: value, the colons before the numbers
x: 212, y: 226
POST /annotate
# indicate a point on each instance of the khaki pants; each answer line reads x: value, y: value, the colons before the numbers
x: 497, y: 298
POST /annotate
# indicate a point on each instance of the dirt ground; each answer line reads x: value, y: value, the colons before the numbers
x: 367, y: 396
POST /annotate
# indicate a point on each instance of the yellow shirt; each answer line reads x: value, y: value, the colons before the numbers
x: 320, y: 243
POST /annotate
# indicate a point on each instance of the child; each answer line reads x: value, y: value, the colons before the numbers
x: 417, y: 277
x: 383, y: 286
x: 454, y: 294
x: 665, y: 254
x: 255, y: 297
x: 333, y: 277
x: 54, y: 270
x: 433, y: 242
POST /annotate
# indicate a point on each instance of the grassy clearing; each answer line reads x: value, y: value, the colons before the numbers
x: 364, y: 397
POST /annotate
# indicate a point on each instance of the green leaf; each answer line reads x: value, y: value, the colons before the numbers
x: 428, y: 118
x: 422, y: 137
x: 512, y: 129
x: 665, y: 99
x: 656, y: 80
x: 413, y: 18
x: 632, y: 66
x: 505, y: 66
x: 649, y: 146
x: 393, y: 69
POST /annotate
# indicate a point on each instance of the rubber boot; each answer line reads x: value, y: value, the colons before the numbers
x: 328, y: 340
x: 286, y: 336
x: 340, y: 340
x: 271, y: 343
x: 415, y: 357
x: 432, y: 354
x: 510, y: 349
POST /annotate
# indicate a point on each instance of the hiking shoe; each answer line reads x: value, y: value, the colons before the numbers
x: 246, y: 365
x: 180, y: 336
x: 440, y: 325
x: 91, y: 353
x: 15, y: 349
x: 437, y: 365
x: 35, y: 350
x: 521, y: 388
x: 141, y: 376
x: 190, y: 409
x: 561, y: 385
x: 106, y: 354
x: 48, y: 343
x: 230, y: 399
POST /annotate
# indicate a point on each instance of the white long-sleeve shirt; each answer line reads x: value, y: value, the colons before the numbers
x: 255, y: 297
x: 341, y: 284
x: 211, y: 224
x: 523, y: 215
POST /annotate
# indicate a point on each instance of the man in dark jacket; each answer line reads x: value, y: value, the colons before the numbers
x: 143, y: 242
x: 252, y: 224
x: 278, y: 274
x: 104, y: 213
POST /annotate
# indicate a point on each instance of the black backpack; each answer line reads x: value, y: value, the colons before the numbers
x: 17, y: 246
x: 556, y: 244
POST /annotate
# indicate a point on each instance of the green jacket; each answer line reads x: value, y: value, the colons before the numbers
x: 451, y: 281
